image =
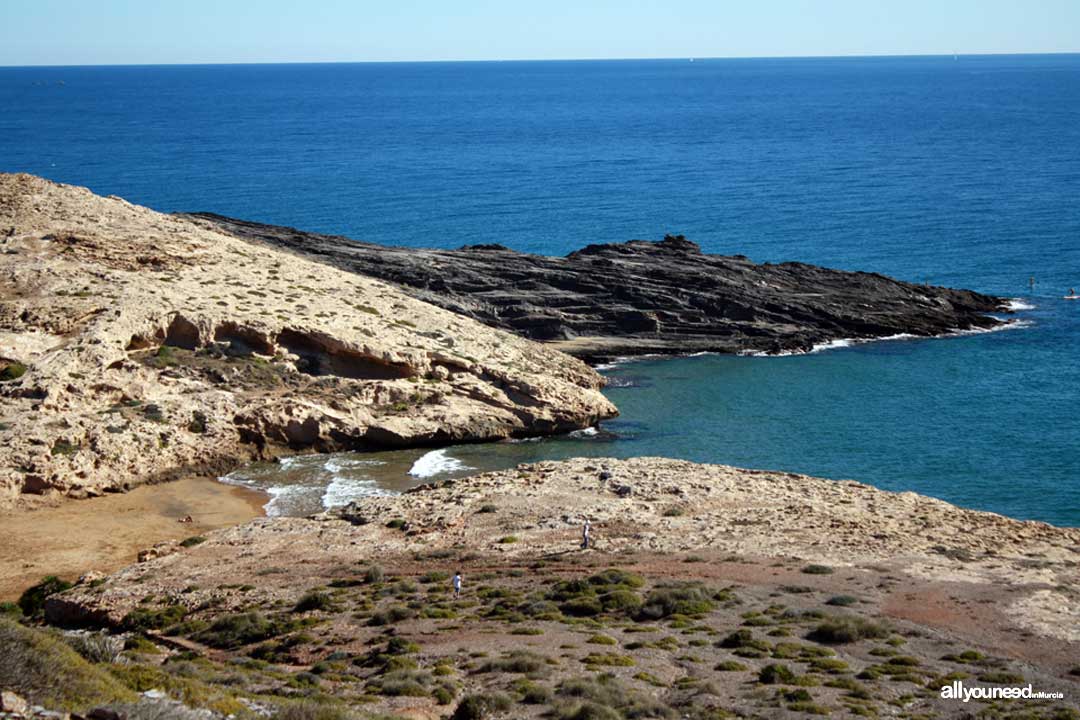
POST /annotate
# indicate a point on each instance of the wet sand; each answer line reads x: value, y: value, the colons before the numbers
x: 106, y: 533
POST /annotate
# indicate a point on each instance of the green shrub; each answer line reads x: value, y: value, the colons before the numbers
x: 582, y: 607
x: 1001, y: 678
x: 744, y: 639
x: 314, y: 600
x: 616, y: 577
x: 611, y: 659
x: 600, y: 639
x: 840, y: 630
x: 774, y: 674
x: 621, y: 601
x: 391, y: 615
x: 233, y: 631
x: 683, y: 599
x: 508, y: 540
x: 373, y: 574
x: 311, y: 710
x: 818, y: 570
x: 192, y: 541
x: 97, y: 647
x: 32, y: 601
x: 404, y: 683
x: 809, y: 708
x: 730, y: 666
x: 12, y: 371
x: 482, y: 706
x: 517, y: 661
x: 434, y: 576
x: 606, y: 697
x: 44, y: 669
x: 842, y: 600
x: 154, y: 618
x: 531, y: 693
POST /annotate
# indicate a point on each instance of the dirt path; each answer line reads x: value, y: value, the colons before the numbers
x: 106, y: 533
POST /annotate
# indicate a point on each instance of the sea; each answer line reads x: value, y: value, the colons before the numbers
x: 960, y: 171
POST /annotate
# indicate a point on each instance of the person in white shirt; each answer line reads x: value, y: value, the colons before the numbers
x: 457, y: 583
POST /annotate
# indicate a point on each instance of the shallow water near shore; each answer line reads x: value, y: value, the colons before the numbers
x: 972, y: 443
x: 961, y: 172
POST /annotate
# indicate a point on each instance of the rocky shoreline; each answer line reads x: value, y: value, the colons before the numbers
x: 639, y: 297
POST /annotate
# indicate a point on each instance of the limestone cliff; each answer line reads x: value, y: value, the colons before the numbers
x: 136, y: 345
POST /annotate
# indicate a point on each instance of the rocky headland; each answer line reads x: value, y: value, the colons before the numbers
x: 137, y: 346
x: 640, y: 297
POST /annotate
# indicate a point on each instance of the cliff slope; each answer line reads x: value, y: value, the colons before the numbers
x: 136, y: 345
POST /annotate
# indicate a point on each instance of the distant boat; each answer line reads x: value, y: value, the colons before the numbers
x: 691, y: 59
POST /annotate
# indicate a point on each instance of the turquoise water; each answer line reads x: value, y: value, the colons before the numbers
x: 962, y: 172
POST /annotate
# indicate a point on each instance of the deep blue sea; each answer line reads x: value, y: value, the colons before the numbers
x: 957, y: 171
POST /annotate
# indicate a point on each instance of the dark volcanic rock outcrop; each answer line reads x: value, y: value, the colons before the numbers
x: 647, y: 297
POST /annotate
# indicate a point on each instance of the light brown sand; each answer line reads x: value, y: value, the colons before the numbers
x: 106, y: 533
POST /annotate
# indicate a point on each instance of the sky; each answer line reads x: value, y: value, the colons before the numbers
x: 92, y: 32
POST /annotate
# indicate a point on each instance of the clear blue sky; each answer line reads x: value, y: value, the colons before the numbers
x: 63, y: 32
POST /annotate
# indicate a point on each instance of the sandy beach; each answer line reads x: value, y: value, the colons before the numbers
x: 106, y: 533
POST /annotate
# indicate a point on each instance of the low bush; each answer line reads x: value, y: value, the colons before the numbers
x: 12, y: 371
x: 47, y: 671
x: 531, y: 693
x: 311, y: 710
x: 730, y: 666
x: 842, y: 600
x: 605, y: 697
x: 32, y: 601
x: 518, y: 661
x: 840, y: 630
x: 154, y: 618
x: 818, y: 570
x: 314, y: 600
x: 774, y: 674
x: 97, y: 647
x: 482, y: 706
x: 233, y: 631
x: 684, y: 599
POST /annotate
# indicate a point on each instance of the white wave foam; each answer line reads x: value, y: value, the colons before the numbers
x: 436, y: 462
x: 336, y: 463
x: 1018, y: 305
x: 342, y: 491
x: 584, y: 433
x: 280, y: 494
x: 1006, y: 324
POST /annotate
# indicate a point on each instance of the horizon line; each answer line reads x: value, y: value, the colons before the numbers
x: 554, y: 60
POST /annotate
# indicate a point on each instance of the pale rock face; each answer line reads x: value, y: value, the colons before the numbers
x: 153, y: 346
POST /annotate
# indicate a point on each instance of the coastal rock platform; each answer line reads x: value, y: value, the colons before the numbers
x: 640, y: 297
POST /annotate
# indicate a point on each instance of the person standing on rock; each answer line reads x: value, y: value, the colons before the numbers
x: 457, y: 584
x: 585, y: 535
